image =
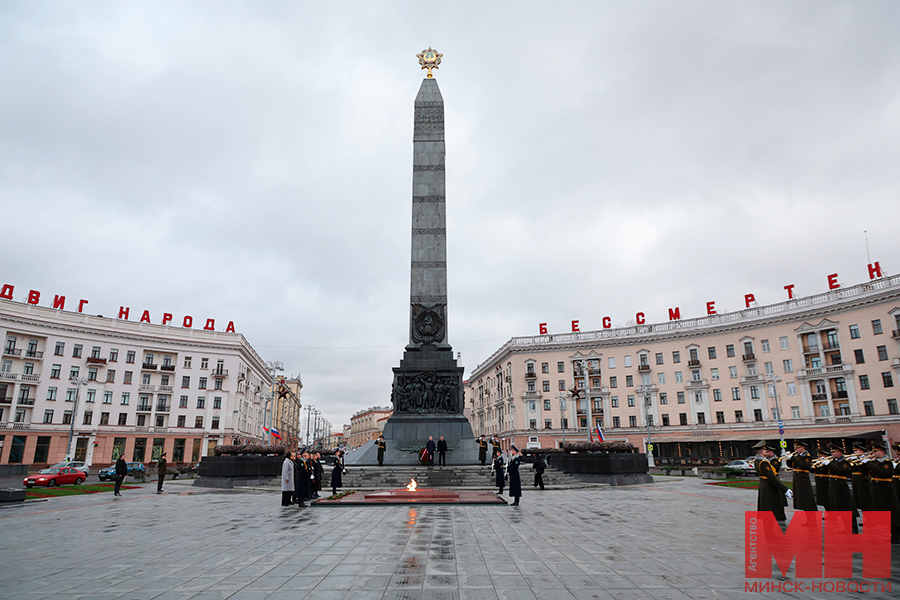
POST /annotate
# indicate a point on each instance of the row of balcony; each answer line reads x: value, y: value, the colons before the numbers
x: 159, y: 407
x: 37, y: 354
x: 155, y: 388
x: 826, y: 347
x: 153, y: 367
x: 29, y: 377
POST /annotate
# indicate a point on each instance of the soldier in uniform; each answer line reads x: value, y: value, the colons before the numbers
x: 896, y: 448
x: 772, y: 491
x: 839, y: 495
x: 381, y: 446
x: 497, y: 471
x: 482, y: 450
x: 881, y: 475
x: 495, y: 445
x: 515, y: 482
x: 862, y: 496
x: 800, y: 462
x: 820, y: 469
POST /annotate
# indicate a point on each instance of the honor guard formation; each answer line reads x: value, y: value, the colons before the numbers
x: 864, y: 481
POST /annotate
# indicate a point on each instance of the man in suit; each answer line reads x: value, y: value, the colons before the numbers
x: 442, y: 452
x: 381, y: 446
x: 429, y: 449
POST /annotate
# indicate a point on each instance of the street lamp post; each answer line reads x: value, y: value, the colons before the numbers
x: 562, y: 415
x: 70, y: 453
x: 774, y: 379
x: 273, y: 367
x: 644, y: 390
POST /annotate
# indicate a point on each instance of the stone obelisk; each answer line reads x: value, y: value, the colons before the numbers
x: 427, y: 393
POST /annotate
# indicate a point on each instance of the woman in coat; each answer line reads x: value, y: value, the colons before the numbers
x: 498, y: 470
x: 515, y: 482
x: 336, y: 472
x: 287, y: 479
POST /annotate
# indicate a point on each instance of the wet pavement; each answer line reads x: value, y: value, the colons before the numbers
x: 676, y: 539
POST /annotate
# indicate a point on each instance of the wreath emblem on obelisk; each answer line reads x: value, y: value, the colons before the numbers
x: 428, y: 323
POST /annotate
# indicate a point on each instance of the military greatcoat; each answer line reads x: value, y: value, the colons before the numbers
x: 884, y: 497
x: 381, y: 446
x: 515, y: 482
x: 862, y: 496
x: 839, y: 496
x: 822, y: 479
x: 482, y: 451
x: 804, y: 499
x: 771, y: 489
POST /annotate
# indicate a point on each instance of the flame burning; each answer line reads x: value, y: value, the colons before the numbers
x: 411, y: 487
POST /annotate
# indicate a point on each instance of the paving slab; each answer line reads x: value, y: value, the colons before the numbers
x: 678, y: 540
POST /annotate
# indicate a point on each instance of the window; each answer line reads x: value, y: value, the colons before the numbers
x: 560, y: 367
x: 682, y: 418
x: 201, y: 383
x: 60, y: 349
x: 126, y: 396
x: 680, y: 397
x: 676, y: 356
x: 95, y: 352
x: 616, y: 422
x: 145, y: 379
x: 659, y: 358
x: 892, y: 406
x: 532, y: 424
x: 148, y: 359
x: 127, y: 379
x: 882, y: 353
x: 198, y: 422
x: 204, y: 363
x: 629, y: 381
x: 717, y: 395
x: 732, y: 372
x: 67, y: 417
x: 738, y: 416
x: 70, y: 394
x: 792, y: 388
x: 548, y: 423
x: 217, y: 384
x: 864, y: 382
x: 769, y: 367
x: 73, y: 373
x: 854, y: 332
x: 701, y: 418
x: 123, y: 419
x: 613, y: 382
x: 51, y: 393
x: 663, y: 398
x: 92, y: 374
x: 714, y: 374
x: 546, y: 386
x: 48, y: 416
x: 771, y: 388
x: 160, y: 420
x: 76, y: 351
x: 729, y: 350
x: 107, y: 397
x: 187, y: 362
x: 598, y: 405
x: 630, y: 400
x: 561, y: 385
x: 111, y: 376
x: 788, y: 366
x: 201, y: 401
x: 720, y: 417
x: 129, y: 357
x: 113, y: 355
x: 186, y: 381
x: 765, y: 345
x: 217, y: 402
x: 754, y: 392
x: 167, y: 361
x: 678, y: 377
x: 712, y: 351
x: 612, y: 362
x: 547, y: 404
x: 88, y: 417
x: 632, y: 421
x: 870, y: 409
x: 735, y: 393
x: 665, y: 420
x: 887, y: 380
x: 54, y: 371
x: 859, y: 357
x: 661, y: 378
x: 784, y: 343
x: 695, y: 375
x: 628, y: 360
x: 876, y: 327
x: 614, y: 401
x: 757, y: 414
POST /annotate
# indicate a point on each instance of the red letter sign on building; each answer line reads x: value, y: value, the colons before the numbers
x: 875, y: 271
x: 748, y: 298
x: 832, y: 282
x: 790, y: 291
x: 543, y: 328
x: 675, y: 314
x: 607, y: 322
x: 639, y: 317
x: 575, y: 327
x: 711, y: 308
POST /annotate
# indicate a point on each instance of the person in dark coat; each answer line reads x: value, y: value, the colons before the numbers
x: 429, y: 449
x: 801, y: 462
x: 442, y: 452
x: 820, y: 469
x: 303, y: 477
x: 839, y: 496
x: 121, y: 472
x: 772, y: 491
x: 896, y: 448
x: 482, y: 450
x: 381, y: 447
x: 539, y: 467
x: 319, y: 472
x: 881, y: 474
x: 161, y: 472
x: 862, y: 496
x: 497, y: 471
x: 495, y: 445
x: 336, y: 472
x: 515, y: 482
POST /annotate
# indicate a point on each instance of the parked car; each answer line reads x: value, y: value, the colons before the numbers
x: 54, y: 476
x: 75, y: 464
x: 743, y: 465
x: 134, y: 468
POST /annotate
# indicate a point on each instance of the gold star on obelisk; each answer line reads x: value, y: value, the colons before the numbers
x: 429, y: 59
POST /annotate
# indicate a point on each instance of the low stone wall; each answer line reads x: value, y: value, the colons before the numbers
x: 602, y: 467
x: 13, y: 470
x: 226, y: 471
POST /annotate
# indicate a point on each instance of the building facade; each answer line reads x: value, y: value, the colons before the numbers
x: 367, y: 425
x: 117, y: 387
x: 286, y: 416
x: 827, y: 367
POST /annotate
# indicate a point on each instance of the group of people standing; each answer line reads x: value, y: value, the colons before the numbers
x: 511, y: 471
x: 867, y: 480
x: 302, y: 474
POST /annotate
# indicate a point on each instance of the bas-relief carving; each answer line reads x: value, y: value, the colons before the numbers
x: 426, y: 392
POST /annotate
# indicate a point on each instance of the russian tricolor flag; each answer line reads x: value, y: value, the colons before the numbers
x: 275, y: 433
x: 600, y: 433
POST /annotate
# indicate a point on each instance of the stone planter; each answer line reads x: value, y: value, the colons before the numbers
x: 12, y: 495
x: 711, y: 475
x: 228, y: 471
x: 603, y: 467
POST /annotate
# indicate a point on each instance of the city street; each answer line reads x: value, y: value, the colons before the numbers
x: 675, y: 539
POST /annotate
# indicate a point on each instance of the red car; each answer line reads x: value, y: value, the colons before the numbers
x: 55, y: 476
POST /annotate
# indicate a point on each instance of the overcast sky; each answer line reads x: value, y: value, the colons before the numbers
x: 252, y: 161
